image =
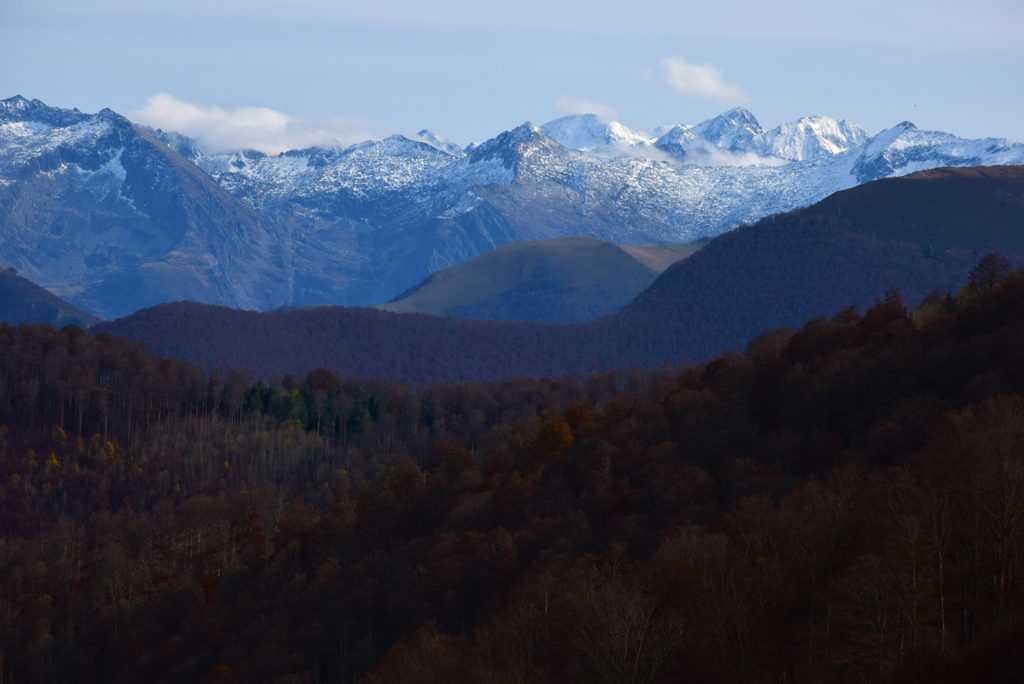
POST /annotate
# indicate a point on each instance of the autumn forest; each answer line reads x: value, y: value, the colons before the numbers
x: 838, y: 503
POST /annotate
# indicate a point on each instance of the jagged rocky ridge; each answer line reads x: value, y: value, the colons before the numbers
x: 114, y: 217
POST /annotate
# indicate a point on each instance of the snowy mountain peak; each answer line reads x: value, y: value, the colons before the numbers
x: 887, y: 138
x: 182, y: 144
x: 386, y: 150
x: 734, y: 130
x: 439, y: 142
x: 521, y: 133
x: 679, y: 142
x: 675, y: 135
x: 506, y: 146
x: 18, y: 108
x: 589, y: 132
x: 812, y: 137
x: 905, y: 148
x: 740, y: 114
x: 107, y: 114
x: 112, y: 122
x: 16, y: 102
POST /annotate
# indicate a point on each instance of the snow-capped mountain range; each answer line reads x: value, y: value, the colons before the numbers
x: 92, y: 204
x: 734, y: 138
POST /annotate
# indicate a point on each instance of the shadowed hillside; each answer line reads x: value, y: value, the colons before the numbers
x: 778, y: 272
x: 976, y: 208
x: 915, y: 233
x: 22, y: 301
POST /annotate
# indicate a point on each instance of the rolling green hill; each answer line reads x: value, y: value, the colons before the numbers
x: 563, y: 280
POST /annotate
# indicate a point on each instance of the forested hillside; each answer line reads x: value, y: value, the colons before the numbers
x: 839, y: 503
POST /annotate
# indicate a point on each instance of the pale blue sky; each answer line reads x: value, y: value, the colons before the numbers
x: 470, y: 69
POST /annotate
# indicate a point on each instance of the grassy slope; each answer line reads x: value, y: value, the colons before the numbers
x: 560, y: 280
x: 660, y: 257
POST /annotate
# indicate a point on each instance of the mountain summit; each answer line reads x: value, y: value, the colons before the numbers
x: 735, y: 130
x: 591, y: 133
x: 19, y: 109
x: 811, y: 137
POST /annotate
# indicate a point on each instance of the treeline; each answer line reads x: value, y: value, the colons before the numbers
x: 839, y: 503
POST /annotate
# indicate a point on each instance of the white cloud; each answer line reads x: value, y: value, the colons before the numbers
x: 573, y: 105
x: 253, y: 128
x: 699, y: 80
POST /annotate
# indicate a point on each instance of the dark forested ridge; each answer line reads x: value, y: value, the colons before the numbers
x: 415, y: 348
x: 778, y: 272
x: 967, y: 208
x: 22, y: 301
x: 839, y: 503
